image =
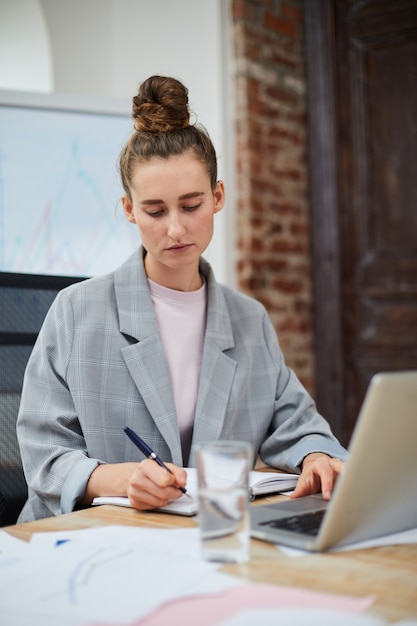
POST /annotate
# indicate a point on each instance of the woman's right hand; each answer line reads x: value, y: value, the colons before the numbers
x: 151, y: 486
x: 146, y: 484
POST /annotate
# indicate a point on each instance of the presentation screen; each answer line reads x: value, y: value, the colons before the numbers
x: 60, y: 209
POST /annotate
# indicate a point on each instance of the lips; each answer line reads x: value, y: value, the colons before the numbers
x: 180, y: 248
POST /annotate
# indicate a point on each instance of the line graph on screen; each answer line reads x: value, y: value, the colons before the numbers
x: 60, y: 210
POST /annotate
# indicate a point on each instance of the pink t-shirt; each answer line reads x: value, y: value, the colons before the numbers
x: 181, y: 318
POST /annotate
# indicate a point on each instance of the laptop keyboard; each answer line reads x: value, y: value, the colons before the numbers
x: 304, y: 523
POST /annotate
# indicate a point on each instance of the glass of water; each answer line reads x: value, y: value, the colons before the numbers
x: 223, y: 494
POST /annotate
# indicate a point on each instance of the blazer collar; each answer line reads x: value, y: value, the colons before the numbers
x: 134, y: 304
x: 136, y: 314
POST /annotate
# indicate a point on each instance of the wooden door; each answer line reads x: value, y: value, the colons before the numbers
x: 362, y: 86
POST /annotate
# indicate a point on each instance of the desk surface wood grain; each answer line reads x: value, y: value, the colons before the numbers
x: 388, y: 573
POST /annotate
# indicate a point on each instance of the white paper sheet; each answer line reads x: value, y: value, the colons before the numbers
x: 112, y: 574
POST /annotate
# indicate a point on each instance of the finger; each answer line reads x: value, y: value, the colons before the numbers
x: 327, y: 480
x: 179, y: 473
x: 306, y: 484
x: 337, y: 465
x: 328, y: 474
x: 161, y: 476
x: 300, y: 490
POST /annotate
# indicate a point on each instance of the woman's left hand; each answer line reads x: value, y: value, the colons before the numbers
x: 319, y: 473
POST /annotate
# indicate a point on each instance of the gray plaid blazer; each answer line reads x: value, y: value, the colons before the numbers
x: 99, y: 365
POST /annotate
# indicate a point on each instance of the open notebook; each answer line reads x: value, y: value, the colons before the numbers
x: 260, y: 483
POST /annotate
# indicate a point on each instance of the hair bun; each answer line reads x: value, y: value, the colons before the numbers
x: 161, y: 105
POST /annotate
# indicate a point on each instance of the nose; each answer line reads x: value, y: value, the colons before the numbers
x: 175, y: 226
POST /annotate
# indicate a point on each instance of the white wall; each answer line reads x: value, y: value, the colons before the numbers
x: 25, y: 55
x: 105, y: 48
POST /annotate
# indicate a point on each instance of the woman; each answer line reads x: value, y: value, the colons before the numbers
x: 159, y: 346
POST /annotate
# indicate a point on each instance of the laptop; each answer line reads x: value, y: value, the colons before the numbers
x: 376, y: 493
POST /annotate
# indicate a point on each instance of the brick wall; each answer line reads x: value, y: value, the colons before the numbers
x: 272, y: 210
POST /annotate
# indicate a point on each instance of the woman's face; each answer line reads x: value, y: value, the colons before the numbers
x: 173, y: 206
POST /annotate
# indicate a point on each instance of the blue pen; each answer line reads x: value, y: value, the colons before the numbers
x: 147, y: 451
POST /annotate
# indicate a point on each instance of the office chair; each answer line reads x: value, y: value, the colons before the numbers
x: 24, y: 302
x: 12, y: 480
x: 2, y: 505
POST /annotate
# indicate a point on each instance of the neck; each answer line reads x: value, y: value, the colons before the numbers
x: 186, y: 279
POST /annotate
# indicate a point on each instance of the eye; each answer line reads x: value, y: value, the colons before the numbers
x: 191, y: 208
x: 155, y: 213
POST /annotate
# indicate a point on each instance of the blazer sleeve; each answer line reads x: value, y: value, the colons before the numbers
x: 52, y: 446
x: 296, y: 428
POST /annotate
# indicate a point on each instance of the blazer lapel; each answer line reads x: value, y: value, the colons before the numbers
x: 217, y: 368
x: 146, y: 358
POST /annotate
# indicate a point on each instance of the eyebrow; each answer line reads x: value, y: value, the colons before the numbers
x: 185, y: 196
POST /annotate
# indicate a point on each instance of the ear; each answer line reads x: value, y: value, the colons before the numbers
x: 219, y: 196
x: 128, y: 210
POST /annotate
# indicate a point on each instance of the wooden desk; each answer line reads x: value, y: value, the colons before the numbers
x: 387, y: 573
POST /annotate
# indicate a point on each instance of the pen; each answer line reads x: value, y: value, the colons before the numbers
x: 147, y: 451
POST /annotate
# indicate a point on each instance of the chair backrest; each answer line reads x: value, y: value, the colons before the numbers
x: 2, y: 505
x: 24, y: 302
x: 12, y: 481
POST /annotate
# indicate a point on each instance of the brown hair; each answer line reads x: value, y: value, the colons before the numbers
x: 162, y: 129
